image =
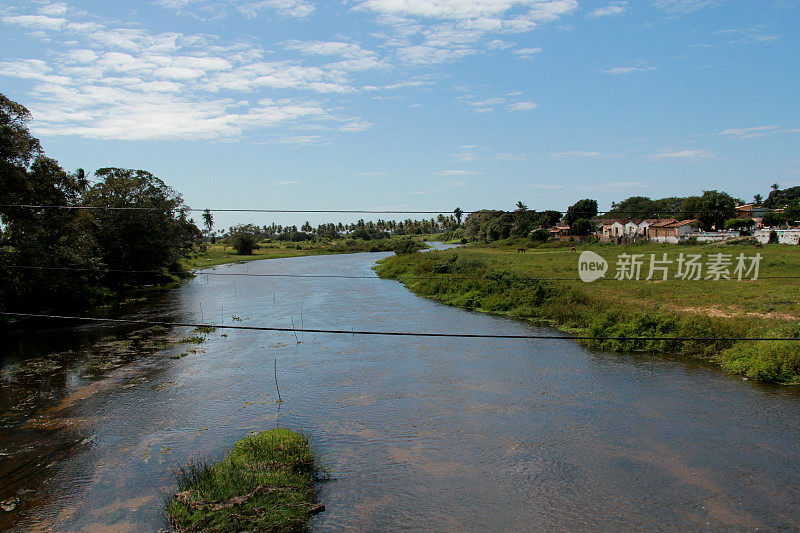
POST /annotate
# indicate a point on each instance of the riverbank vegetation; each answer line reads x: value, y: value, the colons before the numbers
x: 522, y: 286
x: 265, y: 483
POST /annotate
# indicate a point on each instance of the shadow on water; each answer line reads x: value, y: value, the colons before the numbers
x: 418, y: 433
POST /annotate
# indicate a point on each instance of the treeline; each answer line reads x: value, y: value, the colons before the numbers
x: 63, y: 256
x: 366, y: 231
x: 713, y: 210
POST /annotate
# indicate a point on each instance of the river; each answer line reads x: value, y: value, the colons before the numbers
x: 417, y: 433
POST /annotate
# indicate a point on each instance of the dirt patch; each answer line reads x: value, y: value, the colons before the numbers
x: 733, y: 312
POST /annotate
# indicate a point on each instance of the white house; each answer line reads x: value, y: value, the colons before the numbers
x: 613, y: 228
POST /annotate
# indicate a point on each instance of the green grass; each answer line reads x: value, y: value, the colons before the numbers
x: 519, y: 287
x: 265, y: 483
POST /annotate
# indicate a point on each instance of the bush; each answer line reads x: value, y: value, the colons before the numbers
x: 773, y: 237
x: 407, y: 245
x: 243, y: 239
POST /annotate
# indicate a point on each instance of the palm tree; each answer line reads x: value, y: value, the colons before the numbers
x: 208, y: 222
x: 458, y: 213
x: 758, y: 199
x: 521, y: 206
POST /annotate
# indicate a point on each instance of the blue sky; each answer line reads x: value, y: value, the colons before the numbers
x: 414, y: 104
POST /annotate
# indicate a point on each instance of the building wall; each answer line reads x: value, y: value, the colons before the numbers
x: 785, y: 236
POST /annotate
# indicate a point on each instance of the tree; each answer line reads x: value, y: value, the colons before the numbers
x: 243, y: 238
x: 406, y: 245
x: 633, y: 207
x: 773, y: 219
x: 585, y: 208
x: 582, y: 227
x: 780, y: 198
x: 458, y: 214
x: 148, y: 228
x: 208, y: 220
x: 712, y: 209
x: 39, y: 237
x: 775, y: 187
x: 758, y: 199
x: 521, y: 207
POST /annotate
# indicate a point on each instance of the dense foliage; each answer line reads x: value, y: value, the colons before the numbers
x: 60, y: 256
x: 265, y: 483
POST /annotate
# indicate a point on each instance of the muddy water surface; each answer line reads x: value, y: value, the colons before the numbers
x: 420, y: 433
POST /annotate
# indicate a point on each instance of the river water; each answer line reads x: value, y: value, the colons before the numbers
x: 418, y: 433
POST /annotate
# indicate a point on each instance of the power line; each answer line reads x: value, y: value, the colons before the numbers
x: 394, y: 333
x: 639, y: 214
x: 225, y: 210
x: 498, y: 277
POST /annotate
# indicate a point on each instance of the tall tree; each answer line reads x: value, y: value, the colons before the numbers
x: 39, y: 237
x: 148, y: 229
x: 586, y: 208
x: 458, y: 214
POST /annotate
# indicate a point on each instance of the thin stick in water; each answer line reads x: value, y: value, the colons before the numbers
x: 294, y: 331
x: 280, y: 400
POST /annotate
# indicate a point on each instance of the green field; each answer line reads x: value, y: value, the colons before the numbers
x: 266, y: 483
x: 522, y: 285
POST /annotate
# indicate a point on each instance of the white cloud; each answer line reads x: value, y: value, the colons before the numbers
x: 628, y: 70
x: 428, y: 32
x: 685, y: 6
x: 216, y: 9
x: 527, y: 53
x: 405, y: 84
x: 614, y: 9
x: 522, y: 106
x: 129, y: 84
x: 357, y: 125
x: 39, y: 22
x: 429, y: 55
x: 457, y: 173
x: 683, y: 154
x: 581, y: 154
x: 288, y: 8
x: 498, y: 44
x: 54, y: 10
x: 759, y: 131
x: 354, y: 58
x: 481, y: 10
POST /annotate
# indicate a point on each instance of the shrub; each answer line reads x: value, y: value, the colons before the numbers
x: 243, y: 239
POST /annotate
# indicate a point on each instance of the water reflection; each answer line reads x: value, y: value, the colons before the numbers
x: 421, y: 433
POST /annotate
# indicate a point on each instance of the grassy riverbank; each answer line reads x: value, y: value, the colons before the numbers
x: 218, y: 254
x: 521, y: 286
x: 266, y: 483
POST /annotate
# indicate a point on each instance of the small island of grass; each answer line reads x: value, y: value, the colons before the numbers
x: 265, y: 483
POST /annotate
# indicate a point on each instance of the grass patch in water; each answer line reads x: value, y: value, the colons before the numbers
x: 265, y: 483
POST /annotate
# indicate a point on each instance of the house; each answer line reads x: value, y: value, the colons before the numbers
x: 631, y: 229
x: 613, y: 229
x: 644, y: 226
x: 560, y: 233
x: 670, y: 230
x: 751, y: 211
